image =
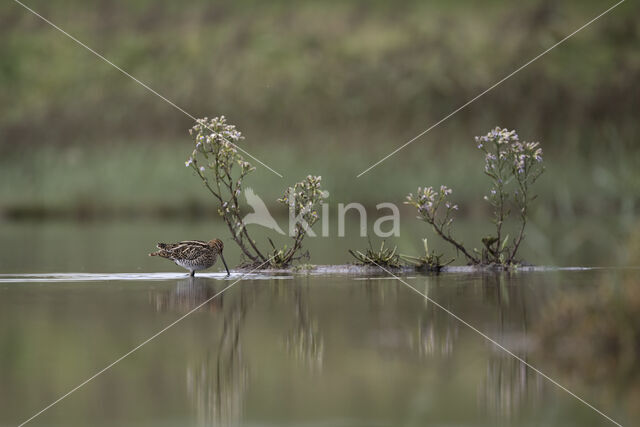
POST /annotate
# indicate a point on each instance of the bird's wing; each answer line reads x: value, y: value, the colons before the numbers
x: 189, y: 249
x: 167, y: 246
x: 194, y: 243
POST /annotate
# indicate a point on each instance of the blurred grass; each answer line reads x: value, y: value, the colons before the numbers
x: 150, y: 179
x: 290, y: 68
x: 318, y: 87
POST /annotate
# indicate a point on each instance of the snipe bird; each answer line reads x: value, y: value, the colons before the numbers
x: 193, y: 255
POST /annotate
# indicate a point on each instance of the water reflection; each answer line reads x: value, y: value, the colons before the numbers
x: 188, y: 294
x: 318, y: 333
x: 508, y: 388
x: 593, y: 337
x: 436, y: 337
x: 304, y: 342
x: 217, y: 379
x: 437, y: 331
x: 217, y: 384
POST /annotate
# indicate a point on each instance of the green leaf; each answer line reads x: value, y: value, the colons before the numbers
x: 504, y: 243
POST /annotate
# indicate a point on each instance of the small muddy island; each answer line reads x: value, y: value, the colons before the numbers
x: 375, y: 271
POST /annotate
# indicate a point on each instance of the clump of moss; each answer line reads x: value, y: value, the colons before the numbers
x: 430, y: 261
x: 382, y: 257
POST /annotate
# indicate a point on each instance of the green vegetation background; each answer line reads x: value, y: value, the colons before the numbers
x: 317, y: 87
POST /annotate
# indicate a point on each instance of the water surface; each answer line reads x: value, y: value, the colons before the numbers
x: 296, y: 350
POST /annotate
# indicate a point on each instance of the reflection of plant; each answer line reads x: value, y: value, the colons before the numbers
x: 507, y: 389
x: 513, y: 167
x: 217, y: 382
x: 430, y: 261
x: 305, y: 342
x: 218, y: 163
x: 383, y: 257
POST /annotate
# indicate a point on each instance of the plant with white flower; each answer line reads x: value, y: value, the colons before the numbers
x: 513, y: 167
x: 304, y: 200
x: 218, y: 163
x: 435, y: 208
x: 527, y: 168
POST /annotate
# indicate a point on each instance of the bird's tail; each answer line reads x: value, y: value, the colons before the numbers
x: 160, y: 253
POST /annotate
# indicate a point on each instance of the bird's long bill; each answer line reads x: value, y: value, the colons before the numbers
x: 225, y: 264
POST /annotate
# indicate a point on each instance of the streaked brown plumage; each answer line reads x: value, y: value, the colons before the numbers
x: 193, y: 255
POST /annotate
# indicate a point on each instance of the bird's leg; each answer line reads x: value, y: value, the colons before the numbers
x: 192, y: 274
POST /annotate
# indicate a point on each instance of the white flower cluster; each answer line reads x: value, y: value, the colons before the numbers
x: 215, y: 136
x: 525, y: 153
x: 305, y: 197
x: 503, y: 148
x: 427, y: 200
